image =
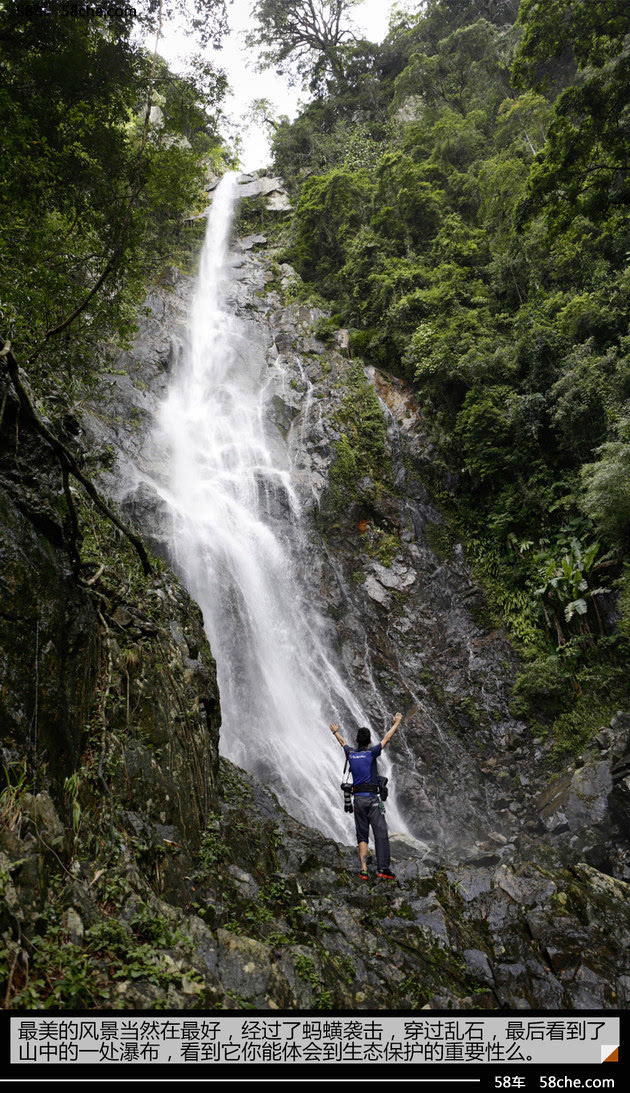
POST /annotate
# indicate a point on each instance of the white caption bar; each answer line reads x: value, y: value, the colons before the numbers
x: 391, y: 1040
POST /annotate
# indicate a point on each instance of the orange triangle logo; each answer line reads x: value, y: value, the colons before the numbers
x: 613, y: 1057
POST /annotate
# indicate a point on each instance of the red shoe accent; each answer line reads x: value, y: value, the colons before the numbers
x: 363, y: 874
x: 386, y: 874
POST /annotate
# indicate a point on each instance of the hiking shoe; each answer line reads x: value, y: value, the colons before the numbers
x: 386, y: 874
x: 363, y: 873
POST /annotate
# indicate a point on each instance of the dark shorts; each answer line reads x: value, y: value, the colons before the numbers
x: 367, y: 814
x: 365, y: 807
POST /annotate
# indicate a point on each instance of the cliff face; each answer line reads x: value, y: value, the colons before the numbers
x: 399, y: 615
x: 402, y: 613
x: 49, y: 634
x: 109, y: 724
x: 157, y: 876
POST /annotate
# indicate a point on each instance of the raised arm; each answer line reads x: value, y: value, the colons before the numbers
x: 335, y: 731
x: 390, y: 732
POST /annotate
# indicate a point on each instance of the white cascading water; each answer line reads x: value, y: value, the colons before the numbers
x: 279, y: 687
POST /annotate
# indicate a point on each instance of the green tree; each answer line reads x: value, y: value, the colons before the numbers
x: 586, y: 163
x: 468, y: 67
x: 593, y: 30
x: 308, y: 34
x: 331, y: 210
x: 606, y: 484
x: 471, y: 228
x: 95, y: 195
x: 206, y: 20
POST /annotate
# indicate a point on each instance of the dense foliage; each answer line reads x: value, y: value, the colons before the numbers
x: 463, y: 203
x: 88, y: 186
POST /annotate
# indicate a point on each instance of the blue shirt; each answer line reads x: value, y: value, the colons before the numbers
x: 363, y: 766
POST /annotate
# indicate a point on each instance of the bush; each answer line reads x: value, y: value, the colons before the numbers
x: 542, y: 688
x: 607, y: 490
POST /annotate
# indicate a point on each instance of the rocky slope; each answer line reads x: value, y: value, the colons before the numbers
x: 137, y: 870
x: 269, y: 914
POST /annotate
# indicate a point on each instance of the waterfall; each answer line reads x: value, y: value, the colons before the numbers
x: 278, y: 682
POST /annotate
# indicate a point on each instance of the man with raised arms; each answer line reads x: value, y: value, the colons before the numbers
x: 368, y: 812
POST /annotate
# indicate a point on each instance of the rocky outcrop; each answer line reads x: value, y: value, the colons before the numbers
x: 275, y: 917
x: 102, y: 646
x: 585, y: 810
x: 272, y: 191
x: 507, y: 933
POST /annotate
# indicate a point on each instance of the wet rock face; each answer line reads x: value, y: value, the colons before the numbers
x: 48, y: 647
x: 399, y: 614
x: 108, y: 681
x: 117, y: 424
x: 162, y: 715
x: 585, y: 810
x: 49, y: 636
